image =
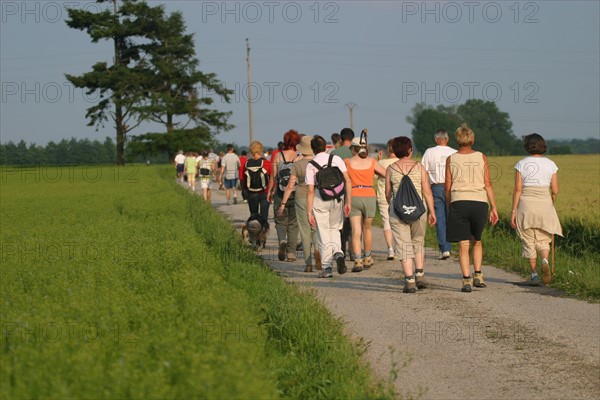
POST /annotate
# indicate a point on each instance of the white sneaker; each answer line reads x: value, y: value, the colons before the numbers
x: 445, y: 255
x: 391, y: 254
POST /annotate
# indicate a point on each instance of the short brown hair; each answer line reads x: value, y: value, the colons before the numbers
x: 401, y: 146
x: 318, y: 144
x: 534, y: 144
x: 465, y: 136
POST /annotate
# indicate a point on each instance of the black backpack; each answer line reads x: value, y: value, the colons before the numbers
x: 283, y: 176
x: 256, y: 176
x: 330, y: 180
x: 408, y: 205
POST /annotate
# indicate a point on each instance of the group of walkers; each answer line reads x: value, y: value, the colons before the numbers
x: 207, y: 168
x: 324, y: 200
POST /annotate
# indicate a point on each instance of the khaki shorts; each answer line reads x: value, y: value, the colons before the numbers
x: 363, y: 206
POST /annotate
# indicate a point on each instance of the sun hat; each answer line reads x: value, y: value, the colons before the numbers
x: 304, y: 146
x: 356, y: 143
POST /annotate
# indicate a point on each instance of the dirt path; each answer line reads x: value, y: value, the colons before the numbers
x: 507, y: 341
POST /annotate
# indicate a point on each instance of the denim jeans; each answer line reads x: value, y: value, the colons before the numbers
x: 441, y: 214
x: 258, y: 204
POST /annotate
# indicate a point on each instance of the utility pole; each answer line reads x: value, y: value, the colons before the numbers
x: 350, y: 106
x: 119, y: 117
x: 249, y: 88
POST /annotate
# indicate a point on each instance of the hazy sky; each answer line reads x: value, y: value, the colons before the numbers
x: 538, y: 60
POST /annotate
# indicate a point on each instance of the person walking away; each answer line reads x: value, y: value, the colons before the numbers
x: 220, y: 170
x: 409, y: 237
x: 297, y: 184
x: 205, y: 170
x: 382, y: 203
x: 230, y: 164
x: 217, y: 161
x: 533, y: 214
x: 243, y: 159
x: 434, y: 161
x: 179, y: 165
x: 190, y: 170
x: 327, y: 206
x: 468, y: 189
x: 336, y: 141
x: 273, y: 153
x: 362, y: 170
x: 343, y: 151
x: 286, y: 224
x: 256, y: 174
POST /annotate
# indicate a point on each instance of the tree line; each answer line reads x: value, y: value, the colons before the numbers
x: 493, y: 129
x: 156, y: 148
x: 66, y: 152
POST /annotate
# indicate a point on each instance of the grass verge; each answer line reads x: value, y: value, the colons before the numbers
x: 119, y: 285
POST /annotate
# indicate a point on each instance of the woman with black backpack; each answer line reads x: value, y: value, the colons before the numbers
x: 407, y: 222
x: 286, y: 224
x: 255, y: 175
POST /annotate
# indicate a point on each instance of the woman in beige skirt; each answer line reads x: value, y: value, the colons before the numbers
x: 533, y: 214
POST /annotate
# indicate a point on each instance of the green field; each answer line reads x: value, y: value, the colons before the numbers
x: 116, y: 283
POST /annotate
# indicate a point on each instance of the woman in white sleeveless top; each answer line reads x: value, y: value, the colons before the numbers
x: 533, y: 214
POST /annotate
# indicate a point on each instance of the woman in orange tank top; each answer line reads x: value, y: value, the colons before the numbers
x: 362, y: 170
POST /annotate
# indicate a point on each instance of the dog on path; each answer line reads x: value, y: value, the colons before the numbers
x: 255, y: 232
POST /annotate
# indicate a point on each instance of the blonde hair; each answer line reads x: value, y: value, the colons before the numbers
x: 256, y: 147
x: 465, y: 136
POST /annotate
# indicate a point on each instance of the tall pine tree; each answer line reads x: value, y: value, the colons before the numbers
x: 154, y: 73
x: 176, y: 78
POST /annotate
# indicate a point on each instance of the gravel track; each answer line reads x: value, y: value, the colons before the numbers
x: 507, y: 341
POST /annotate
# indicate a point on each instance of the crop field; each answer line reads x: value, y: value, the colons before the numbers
x: 116, y: 283
x: 579, y: 182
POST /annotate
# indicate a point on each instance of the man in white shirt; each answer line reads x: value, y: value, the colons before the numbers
x: 230, y: 165
x: 179, y: 162
x: 434, y: 161
x: 327, y: 215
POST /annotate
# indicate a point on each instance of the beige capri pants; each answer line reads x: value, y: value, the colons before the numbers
x: 409, y: 238
x: 384, y: 211
x: 534, y: 240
